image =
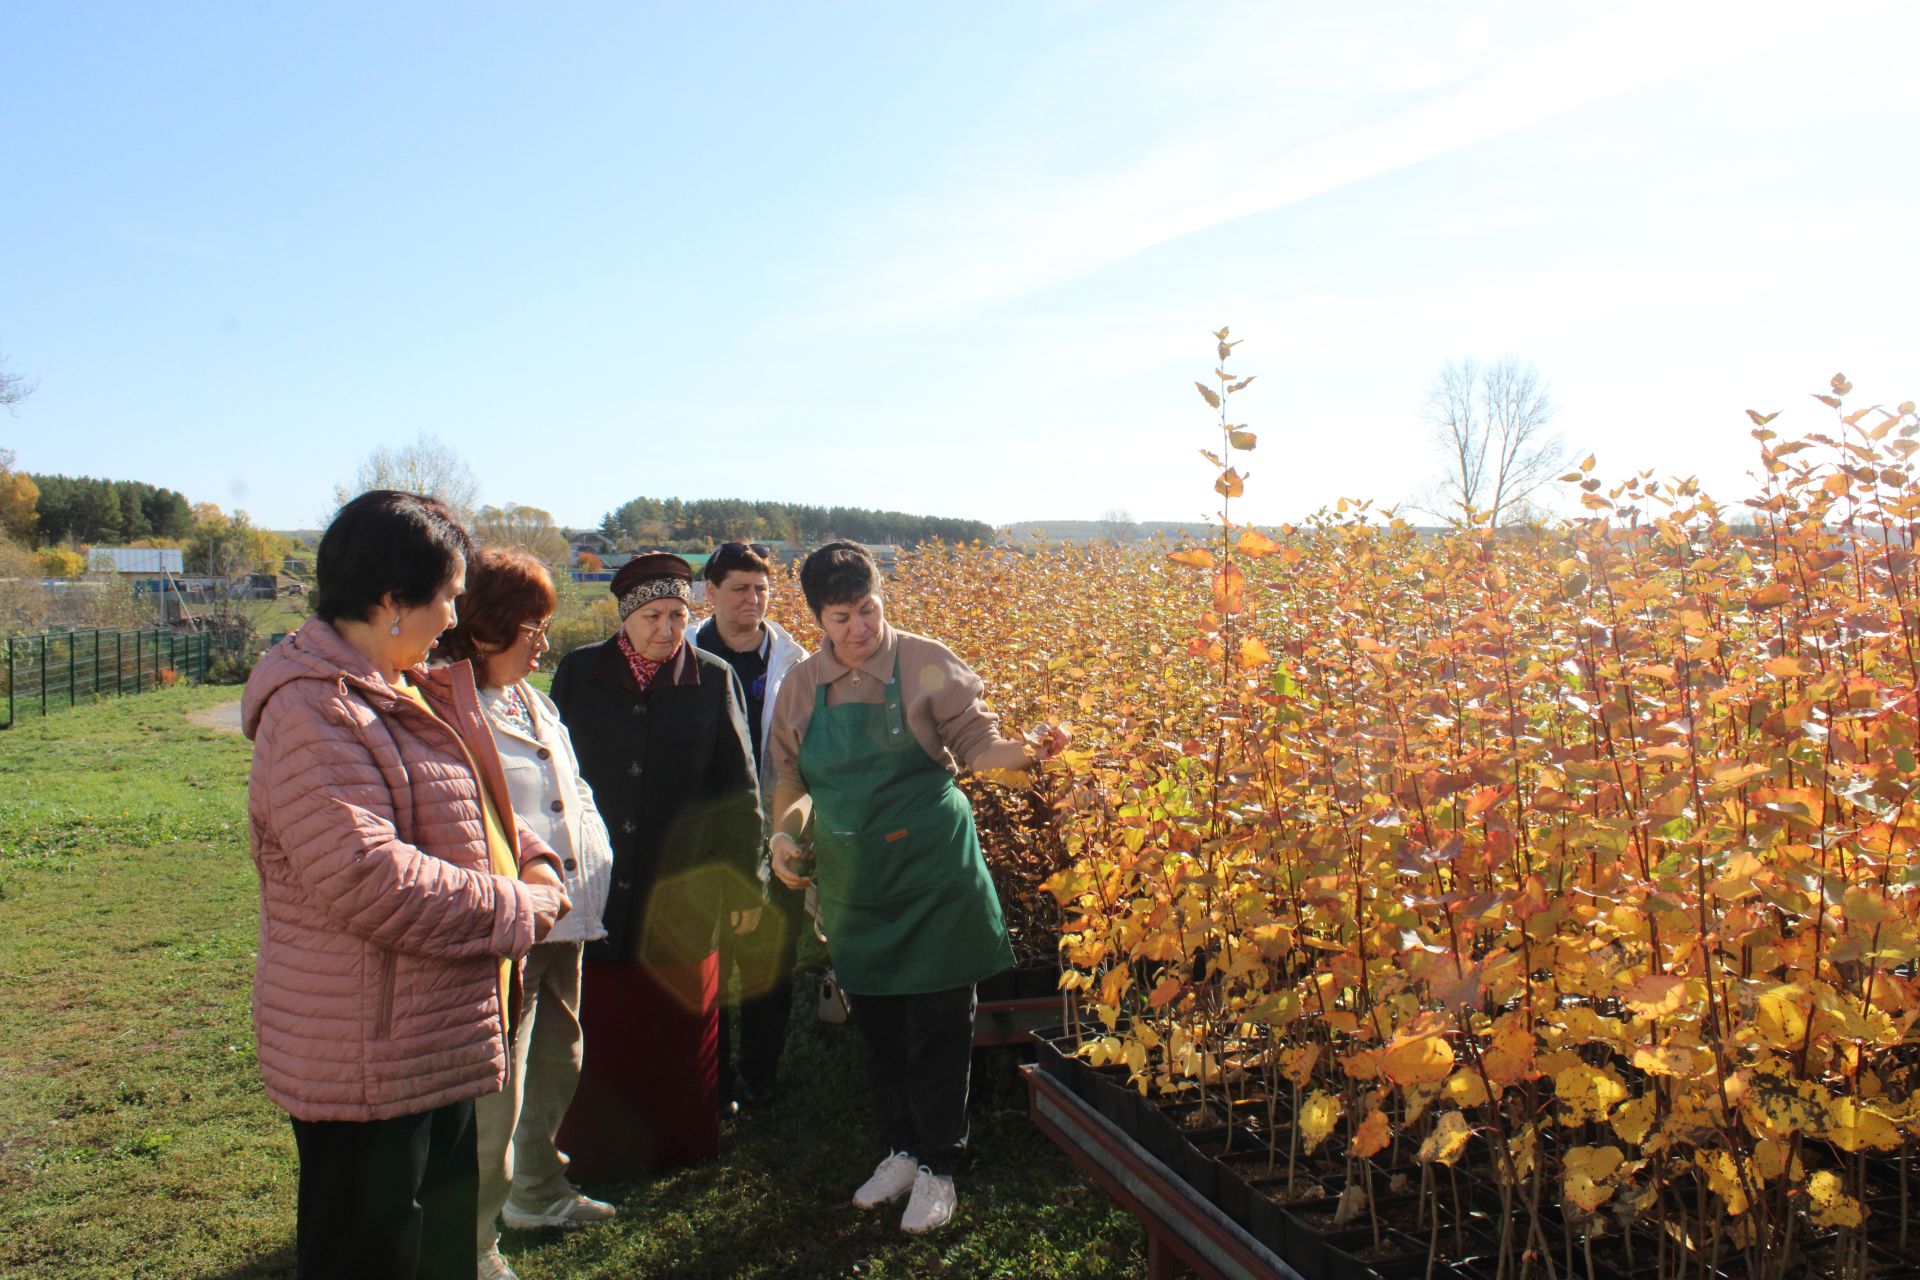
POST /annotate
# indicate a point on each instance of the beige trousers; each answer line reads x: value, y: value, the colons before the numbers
x: 515, y: 1128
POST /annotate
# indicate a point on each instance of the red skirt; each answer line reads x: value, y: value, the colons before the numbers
x: 647, y: 1096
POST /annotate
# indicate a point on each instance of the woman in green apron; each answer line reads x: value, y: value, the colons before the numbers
x: 867, y: 736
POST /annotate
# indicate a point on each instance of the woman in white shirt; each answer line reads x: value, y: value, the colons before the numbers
x: 502, y: 630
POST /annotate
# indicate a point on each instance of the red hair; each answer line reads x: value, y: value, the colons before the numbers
x: 505, y: 587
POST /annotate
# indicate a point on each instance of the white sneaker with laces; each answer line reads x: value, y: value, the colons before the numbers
x: 574, y: 1210
x: 494, y: 1267
x: 892, y: 1178
x: 932, y: 1204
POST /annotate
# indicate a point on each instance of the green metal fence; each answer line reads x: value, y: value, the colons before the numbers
x: 60, y: 669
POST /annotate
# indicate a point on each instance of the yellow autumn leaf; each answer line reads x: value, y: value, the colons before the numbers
x: 1371, y: 1138
x: 1828, y: 1201
x: 1589, y: 1093
x: 1656, y: 995
x: 1521, y: 1149
x: 1420, y: 1059
x: 1668, y: 1060
x: 1318, y: 1114
x: 1723, y: 1179
x: 1508, y: 1056
x: 1782, y: 1017
x: 1465, y: 1088
x: 1855, y: 1127
x: 1253, y: 653
x: 1448, y: 1139
x: 1584, y: 1173
x: 1198, y: 558
x: 1770, y: 1158
x: 1779, y: 1108
x: 1296, y: 1064
x: 1418, y: 1097
x: 1633, y: 1118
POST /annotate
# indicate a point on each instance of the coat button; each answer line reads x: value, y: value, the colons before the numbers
x: 625, y: 884
x: 568, y: 865
x: 633, y: 769
x: 557, y: 806
x: 639, y: 710
x: 628, y: 826
x: 544, y: 753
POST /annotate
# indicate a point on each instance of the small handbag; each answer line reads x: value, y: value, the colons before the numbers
x: 833, y: 1001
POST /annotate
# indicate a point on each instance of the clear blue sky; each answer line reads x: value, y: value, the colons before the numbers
x: 958, y: 259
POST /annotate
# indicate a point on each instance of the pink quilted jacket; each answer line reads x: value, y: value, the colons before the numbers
x: 376, y: 993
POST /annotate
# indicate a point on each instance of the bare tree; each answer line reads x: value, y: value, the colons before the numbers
x: 1491, y: 425
x: 13, y: 387
x: 527, y: 527
x: 1117, y: 526
x: 425, y: 466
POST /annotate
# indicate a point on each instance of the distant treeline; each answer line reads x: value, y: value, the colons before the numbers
x: 116, y: 512
x: 662, y: 520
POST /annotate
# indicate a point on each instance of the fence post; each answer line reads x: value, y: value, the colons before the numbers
x: 119, y: 662
x: 43, y: 674
x: 72, y: 661
x: 10, y: 682
x: 136, y: 662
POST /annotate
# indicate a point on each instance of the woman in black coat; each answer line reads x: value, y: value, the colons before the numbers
x: 660, y: 728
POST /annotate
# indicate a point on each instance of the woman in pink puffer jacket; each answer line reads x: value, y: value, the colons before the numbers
x: 395, y: 887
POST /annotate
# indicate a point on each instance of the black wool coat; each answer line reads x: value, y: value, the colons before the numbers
x: 672, y: 774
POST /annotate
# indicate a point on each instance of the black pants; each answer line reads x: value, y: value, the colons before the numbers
x: 388, y: 1199
x: 919, y: 1054
x: 764, y: 960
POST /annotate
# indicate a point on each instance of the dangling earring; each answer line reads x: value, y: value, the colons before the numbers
x: 394, y: 630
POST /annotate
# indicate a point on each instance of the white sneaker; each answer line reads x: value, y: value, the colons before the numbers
x: 574, y: 1210
x: 932, y: 1205
x: 892, y: 1178
x: 494, y: 1267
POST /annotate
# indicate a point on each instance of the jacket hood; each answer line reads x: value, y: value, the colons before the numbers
x: 314, y: 652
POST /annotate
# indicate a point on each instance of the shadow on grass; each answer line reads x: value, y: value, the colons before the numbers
x: 272, y: 1266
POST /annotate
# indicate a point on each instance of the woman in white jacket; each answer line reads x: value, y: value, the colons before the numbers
x: 502, y: 629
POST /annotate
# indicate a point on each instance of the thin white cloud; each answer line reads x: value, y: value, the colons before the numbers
x: 1014, y: 226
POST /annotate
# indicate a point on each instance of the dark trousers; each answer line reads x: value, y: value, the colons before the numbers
x: 919, y: 1053
x: 388, y: 1199
x: 764, y: 960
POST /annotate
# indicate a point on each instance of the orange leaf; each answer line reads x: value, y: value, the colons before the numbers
x: 1164, y: 993
x: 1198, y: 558
x: 1253, y: 653
x: 1256, y: 544
x: 1371, y: 1138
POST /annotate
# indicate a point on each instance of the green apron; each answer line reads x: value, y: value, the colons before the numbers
x: 904, y: 893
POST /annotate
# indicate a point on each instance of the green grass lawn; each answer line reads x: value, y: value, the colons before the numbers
x: 135, y: 1140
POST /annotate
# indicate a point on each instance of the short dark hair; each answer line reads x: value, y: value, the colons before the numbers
x: 838, y: 573
x: 383, y: 543
x: 736, y: 557
x: 506, y: 586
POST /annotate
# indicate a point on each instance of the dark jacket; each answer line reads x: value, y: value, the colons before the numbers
x: 672, y: 773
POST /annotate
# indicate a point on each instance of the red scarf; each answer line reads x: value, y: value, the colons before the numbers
x: 644, y: 669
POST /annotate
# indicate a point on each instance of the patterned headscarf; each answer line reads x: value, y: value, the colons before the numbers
x: 650, y: 577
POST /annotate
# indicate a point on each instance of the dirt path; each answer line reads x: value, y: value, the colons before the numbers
x: 224, y: 718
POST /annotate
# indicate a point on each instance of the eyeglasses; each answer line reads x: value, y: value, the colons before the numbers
x: 760, y: 549
x: 538, y: 630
